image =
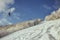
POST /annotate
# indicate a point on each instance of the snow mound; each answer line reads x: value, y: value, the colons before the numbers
x: 48, y: 30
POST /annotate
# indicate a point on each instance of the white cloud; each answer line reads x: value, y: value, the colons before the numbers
x: 4, y: 8
x: 47, y: 7
x: 4, y: 21
x: 16, y: 16
x: 12, y: 10
x: 4, y: 5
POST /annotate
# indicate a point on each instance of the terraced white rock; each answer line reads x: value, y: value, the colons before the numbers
x: 49, y: 30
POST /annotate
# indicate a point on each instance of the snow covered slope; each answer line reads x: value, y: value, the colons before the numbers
x: 49, y: 30
x: 8, y: 29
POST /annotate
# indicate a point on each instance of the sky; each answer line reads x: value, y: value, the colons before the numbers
x: 23, y: 10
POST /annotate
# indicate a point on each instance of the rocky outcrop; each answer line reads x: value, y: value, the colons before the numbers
x: 19, y: 26
x: 54, y: 15
x: 48, y: 30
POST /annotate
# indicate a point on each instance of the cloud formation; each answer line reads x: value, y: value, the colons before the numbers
x: 12, y: 10
x: 5, y: 9
x: 47, y: 7
x: 4, y: 5
x: 5, y: 21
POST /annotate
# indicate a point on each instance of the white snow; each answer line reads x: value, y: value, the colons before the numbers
x: 48, y: 30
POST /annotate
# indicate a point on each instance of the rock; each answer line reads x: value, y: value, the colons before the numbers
x: 54, y: 15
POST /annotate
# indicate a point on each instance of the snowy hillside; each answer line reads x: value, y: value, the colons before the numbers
x: 8, y: 29
x: 48, y: 30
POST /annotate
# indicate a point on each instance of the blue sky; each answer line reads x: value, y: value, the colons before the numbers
x: 32, y: 9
